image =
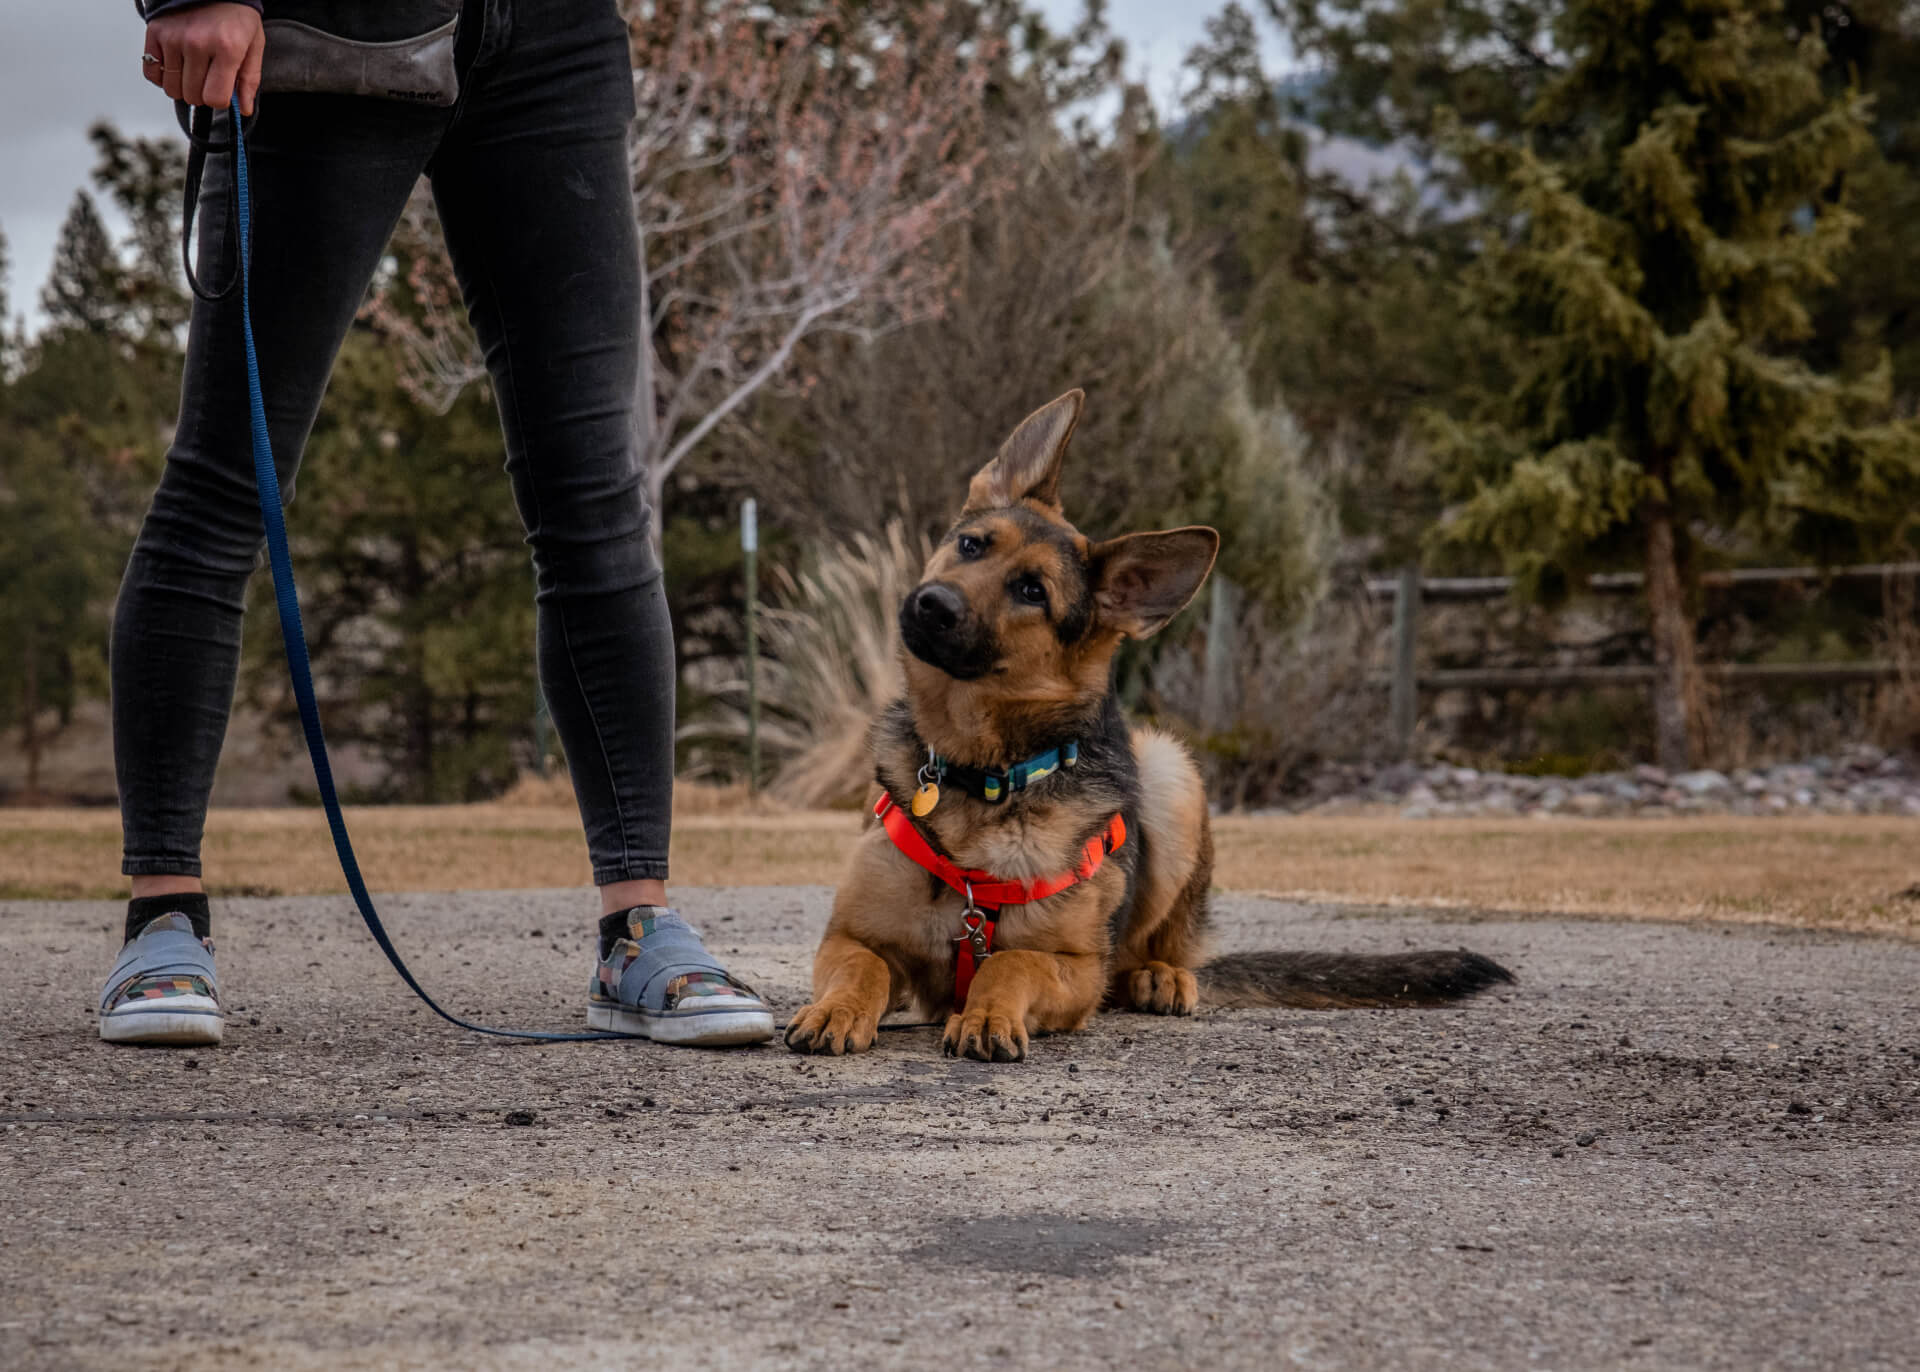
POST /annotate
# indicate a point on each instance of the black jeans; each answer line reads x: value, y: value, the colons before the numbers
x: 529, y: 171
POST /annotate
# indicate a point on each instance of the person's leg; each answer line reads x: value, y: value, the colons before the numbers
x: 532, y: 185
x: 329, y: 177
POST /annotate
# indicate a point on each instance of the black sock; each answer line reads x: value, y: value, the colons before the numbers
x: 615, y: 926
x: 144, y: 910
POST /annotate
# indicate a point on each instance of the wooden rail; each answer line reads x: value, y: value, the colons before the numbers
x: 1573, y: 678
x: 1617, y: 583
x: 1409, y: 590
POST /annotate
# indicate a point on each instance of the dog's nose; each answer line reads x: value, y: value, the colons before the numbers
x: 937, y: 608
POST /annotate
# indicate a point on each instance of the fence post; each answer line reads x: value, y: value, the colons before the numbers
x: 750, y: 545
x: 1216, y: 681
x: 1406, y: 632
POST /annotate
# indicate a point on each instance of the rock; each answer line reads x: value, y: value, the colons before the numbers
x: 1861, y: 780
x: 1706, y: 781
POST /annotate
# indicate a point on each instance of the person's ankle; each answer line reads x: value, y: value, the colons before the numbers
x: 624, y: 895
x: 167, y: 884
x: 144, y: 910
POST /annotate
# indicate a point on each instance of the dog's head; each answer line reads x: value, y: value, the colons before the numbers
x: 1011, y: 632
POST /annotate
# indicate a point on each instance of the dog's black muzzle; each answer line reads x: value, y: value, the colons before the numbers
x: 940, y: 629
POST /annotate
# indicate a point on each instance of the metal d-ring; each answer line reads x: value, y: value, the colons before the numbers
x: 970, y: 921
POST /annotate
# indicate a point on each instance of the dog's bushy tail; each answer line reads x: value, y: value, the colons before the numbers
x: 1336, y: 981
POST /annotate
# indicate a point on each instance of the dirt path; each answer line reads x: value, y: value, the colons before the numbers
x: 1857, y: 873
x: 1667, y: 1146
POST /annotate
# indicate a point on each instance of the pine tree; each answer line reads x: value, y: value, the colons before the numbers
x: 415, y: 585
x: 56, y: 567
x: 83, y: 289
x: 9, y: 344
x: 1334, y: 262
x: 142, y: 177
x: 1653, y: 276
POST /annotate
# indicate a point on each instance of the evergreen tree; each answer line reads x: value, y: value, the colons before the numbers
x: 86, y: 409
x: 1335, y: 264
x: 1875, y: 303
x: 1386, y: 73
x: 8, y: 360
x: 1653, y: 277
x: 415, y: 585
x: 83, y: 290
x: 143, y: 177
x: 55, y: 563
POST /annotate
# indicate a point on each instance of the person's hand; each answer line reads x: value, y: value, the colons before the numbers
x: 207, y: 53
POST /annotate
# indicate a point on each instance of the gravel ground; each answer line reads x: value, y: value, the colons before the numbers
x: 1861, y: 780
x: 1667, y: 1146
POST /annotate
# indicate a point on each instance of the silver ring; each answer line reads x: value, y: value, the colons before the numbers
x: 149, y: 59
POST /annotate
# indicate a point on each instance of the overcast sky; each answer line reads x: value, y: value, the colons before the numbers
x: 66, y: 63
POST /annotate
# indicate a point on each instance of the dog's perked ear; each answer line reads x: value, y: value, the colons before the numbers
x: 1140, y: 581
x: 1027, y: 467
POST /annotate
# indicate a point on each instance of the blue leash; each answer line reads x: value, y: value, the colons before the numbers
x: 299, y: 666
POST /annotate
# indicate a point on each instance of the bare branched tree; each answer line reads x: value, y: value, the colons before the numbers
x: 789, y: 175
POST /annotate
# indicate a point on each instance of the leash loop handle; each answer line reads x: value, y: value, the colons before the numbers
x: 299, y: 667
x: 197, y: 124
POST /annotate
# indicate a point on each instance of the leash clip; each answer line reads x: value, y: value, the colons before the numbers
x: 972, y: 930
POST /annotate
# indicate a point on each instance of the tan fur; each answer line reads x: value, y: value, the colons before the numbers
x: 1152, y: 968
x: 890, y: 942
x: 1031, y: 676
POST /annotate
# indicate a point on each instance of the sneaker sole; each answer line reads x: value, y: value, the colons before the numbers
x: 702, y: 1029
x: 177, y: 1028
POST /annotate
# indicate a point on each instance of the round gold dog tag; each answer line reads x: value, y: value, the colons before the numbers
x: 925, y: 799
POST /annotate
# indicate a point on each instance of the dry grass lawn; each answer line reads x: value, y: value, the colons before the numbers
x: 1821, y: 871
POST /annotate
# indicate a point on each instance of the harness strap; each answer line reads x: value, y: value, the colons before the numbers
x: 984, y: 888
x: 985, y: 892
x: 975, y: 943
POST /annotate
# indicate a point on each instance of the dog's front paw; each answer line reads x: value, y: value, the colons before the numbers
x: 985, y: 1034
x: 1161, y: 989
x: 831, y: 1029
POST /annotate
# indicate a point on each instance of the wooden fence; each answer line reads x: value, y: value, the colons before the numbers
x: 1409, y: 590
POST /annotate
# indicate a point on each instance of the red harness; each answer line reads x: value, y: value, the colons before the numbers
x: 983, y: 891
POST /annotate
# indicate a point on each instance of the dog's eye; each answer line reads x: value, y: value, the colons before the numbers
x: 1031, y: 590
x: 970, y: 546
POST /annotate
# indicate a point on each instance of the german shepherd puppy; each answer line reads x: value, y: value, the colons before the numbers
x: 1008, y: 645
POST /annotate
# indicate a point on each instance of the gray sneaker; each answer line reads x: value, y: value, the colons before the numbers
x: 660, y: 983
x: 162, y: 990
